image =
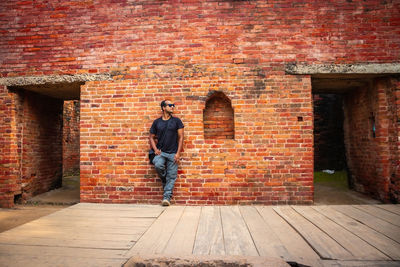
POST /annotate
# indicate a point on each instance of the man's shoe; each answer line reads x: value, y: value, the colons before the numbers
x: 165, y: 202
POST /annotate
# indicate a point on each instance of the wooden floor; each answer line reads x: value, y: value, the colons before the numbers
x: 107, y: 235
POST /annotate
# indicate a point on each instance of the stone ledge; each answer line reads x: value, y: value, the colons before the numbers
x: 204, y: 261
x: 372, y: 68
x: 53, y: 79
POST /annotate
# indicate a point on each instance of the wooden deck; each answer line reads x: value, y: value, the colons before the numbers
x: 107, y: 235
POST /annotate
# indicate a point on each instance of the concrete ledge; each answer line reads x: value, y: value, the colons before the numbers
x: 53, y: 79
x: 204, y: 261
x: 373, y: 68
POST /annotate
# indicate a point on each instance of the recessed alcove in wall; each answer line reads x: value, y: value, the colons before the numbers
x: 46, y: 115
x: 218, y: 117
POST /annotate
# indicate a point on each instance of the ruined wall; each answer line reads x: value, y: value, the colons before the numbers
x: 41, y: 147
x: 269, y: 161
x: 184, y: 50
x: 31, y: 145
x: 9, y: 161
x: 71, y: 137
x: 393, y: 90
x: 373, y: 155
x: 60, y: 37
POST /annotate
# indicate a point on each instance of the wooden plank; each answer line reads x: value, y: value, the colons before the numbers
x: 209, y: 237
x: 133, y: 229
x: 299, y: 250
x: 114, y: 206
x: 44, y: 221
x: 51, y: 261
x: 157, y: 236
x: 139, y: 210
x: 386, y: 245
x: 323, y: 244
x: 266, y: 240
x: 392, y: 208
x: 88, y: 213
x: 61, y: 251
x: 60, y: 228
x: 182, y: 240
x: 360, y: 249
x: 64, y: 242
x: 379, y: 225
x: 380, y: 213
x: 76, y: 235
x: 237, y: 237
x: 336, y: 263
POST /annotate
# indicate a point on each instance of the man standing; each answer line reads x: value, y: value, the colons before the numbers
x: 169, y: 133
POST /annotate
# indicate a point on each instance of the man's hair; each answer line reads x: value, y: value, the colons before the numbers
x: 163, y: 103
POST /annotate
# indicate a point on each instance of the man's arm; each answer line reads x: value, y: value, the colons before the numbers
x: 180, y: 145
x: 153, y: 144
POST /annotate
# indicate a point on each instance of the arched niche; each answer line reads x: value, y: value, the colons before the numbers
x: 218, y: 117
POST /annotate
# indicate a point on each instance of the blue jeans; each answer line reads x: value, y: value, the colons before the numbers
x: 167, y: 170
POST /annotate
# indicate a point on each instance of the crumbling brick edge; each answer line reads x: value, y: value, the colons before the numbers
x: 204, y: 260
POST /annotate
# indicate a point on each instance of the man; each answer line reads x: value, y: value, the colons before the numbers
x: 169, y: 133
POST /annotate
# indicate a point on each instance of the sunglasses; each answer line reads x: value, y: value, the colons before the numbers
x: 170, y: 105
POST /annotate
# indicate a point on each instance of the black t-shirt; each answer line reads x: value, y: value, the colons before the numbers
x: 167, y: 139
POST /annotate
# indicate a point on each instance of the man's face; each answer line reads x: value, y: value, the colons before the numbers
x: 169, y: 107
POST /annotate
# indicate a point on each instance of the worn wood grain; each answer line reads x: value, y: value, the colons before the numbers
x: 65, y: 242
x: 237, y: 238
x: 381, y: 242
x: 113, y: 209
x: 76, y: 235
x: 182, y: 240
x: 12, y: 260
x: 266, y: 240
x: 209, y: 237
x: 22, y: 250
x: 379, y: 225
x: 392, y: 208
x: 298, y: 249
x: 356, y: 246
x: 337, y: 263
x: 382, y: 214
x: 107, y: 214
x: 157, y: 236
x: 103, y: 235
x: 322, y: 243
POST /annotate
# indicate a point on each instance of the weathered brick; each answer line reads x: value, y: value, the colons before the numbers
x: 186, y: 51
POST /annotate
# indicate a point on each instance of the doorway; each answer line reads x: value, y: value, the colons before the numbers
x: 41, y: 126
x: 334, y: 141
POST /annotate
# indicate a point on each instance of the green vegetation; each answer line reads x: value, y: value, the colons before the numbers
x: 337, y: 179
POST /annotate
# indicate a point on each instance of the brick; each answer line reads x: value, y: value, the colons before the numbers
x: 243, y: 142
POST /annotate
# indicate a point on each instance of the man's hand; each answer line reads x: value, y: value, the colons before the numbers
x: 157, y: 151
x: 177, y: 157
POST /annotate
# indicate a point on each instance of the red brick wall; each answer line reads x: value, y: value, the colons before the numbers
x: 393, y: 90
x: 42, y: 37
x: 9, y: 162
x: 373, y: 161
x: 30, y: 145
x: 186, y: 49
x: 71, y: 138
x: 269, y: 161
x: 218, y: 117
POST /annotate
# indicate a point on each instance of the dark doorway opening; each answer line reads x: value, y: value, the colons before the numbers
x: 40, y: 123
x: 334, y: 143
